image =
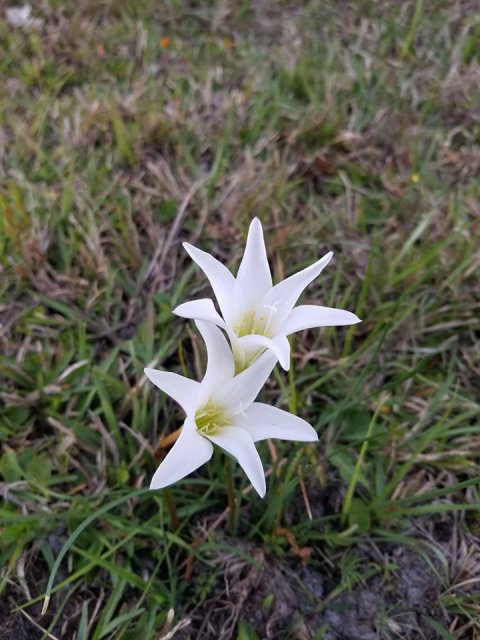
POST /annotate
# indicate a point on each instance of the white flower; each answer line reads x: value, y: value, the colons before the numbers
x: 221, y: 410
x: 20, y: 17
x: 256, y: 314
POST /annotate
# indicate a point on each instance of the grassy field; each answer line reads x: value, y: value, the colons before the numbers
x: 128, y: 127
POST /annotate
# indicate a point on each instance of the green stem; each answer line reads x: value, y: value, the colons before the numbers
x: 230, y: 496
x: 172, y: 512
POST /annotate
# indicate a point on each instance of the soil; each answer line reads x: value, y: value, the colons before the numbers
x: 14, y: 626
x: 283, y: 599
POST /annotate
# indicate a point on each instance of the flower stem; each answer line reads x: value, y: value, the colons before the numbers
x: 230, y: 496
x: 172, y: 512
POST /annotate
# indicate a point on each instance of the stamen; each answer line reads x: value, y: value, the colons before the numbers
x: 251, y: 324
x: 210, y: 418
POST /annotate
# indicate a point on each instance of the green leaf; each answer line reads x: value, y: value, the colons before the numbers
x: 359, y: 514
x: 246, y: 632
x: 10, y: 467
x: 443, y: 633
x: 39, y: 470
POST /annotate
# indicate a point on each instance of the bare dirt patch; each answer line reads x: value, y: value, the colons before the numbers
x: 384, y: 591
x: 281, y: 598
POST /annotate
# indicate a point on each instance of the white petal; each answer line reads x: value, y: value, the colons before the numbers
x: 220, y: 363
x: 182, y: 390
x: 190, y: 451
x: 202, y: 309
x: 239, y: 444
x: 238, y: 394
x: 254, y: 279
x: 308, y: 315
x: 262, y: 421
x: 19, y: 16
x: 278, y: 345
x: 220, y: 278
x: 285, y: 294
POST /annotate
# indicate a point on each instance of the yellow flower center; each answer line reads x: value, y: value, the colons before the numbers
x: 210, y: 418
x: 252, y: 323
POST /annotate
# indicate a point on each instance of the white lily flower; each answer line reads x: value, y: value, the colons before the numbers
x: 256, y: 314
x: 221, y: 410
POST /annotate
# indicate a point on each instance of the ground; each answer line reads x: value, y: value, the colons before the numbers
x: 129, y: 127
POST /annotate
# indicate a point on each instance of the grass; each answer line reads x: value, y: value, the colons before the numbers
x: 126, y: 128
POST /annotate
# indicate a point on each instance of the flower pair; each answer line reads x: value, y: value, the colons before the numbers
x: 256, y: 317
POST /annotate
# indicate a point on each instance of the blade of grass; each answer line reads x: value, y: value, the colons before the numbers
x: 358, y: 466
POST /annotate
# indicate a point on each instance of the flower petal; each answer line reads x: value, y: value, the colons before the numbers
x: 239, y: 393
x: 182, y: 390
x: 240, y: 445
x: 254, y: 279
x: 219, y: 276
x: 202, y: 309
x: 278, y: 345
x: 308, y: 315
x: 285, y: 294
x: 190, y: 451
x: 262, y: 421
x: 220, y: 363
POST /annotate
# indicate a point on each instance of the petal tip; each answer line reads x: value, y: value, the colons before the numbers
x: 155, y: 485
x: 180, y: 310
x: 261, y: 489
